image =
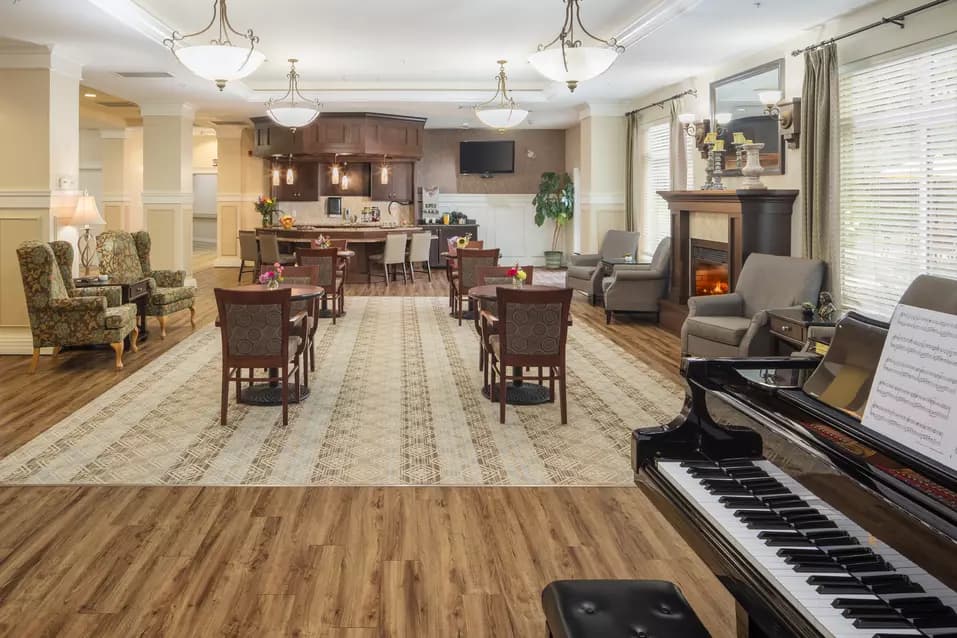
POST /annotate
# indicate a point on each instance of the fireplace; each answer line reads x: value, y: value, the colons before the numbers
x: 710, y: 268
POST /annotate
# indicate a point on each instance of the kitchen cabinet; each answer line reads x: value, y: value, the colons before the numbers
x: 363, y: 136
x: 395, y: 136
x: 359, y: 180
x: 305, y: 188
x: 336, y: 134
x: 400, y: 186
x: 271, y: 139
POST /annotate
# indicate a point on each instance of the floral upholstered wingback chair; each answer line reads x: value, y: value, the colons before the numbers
x: 127, y: 257
x: 58, y: 318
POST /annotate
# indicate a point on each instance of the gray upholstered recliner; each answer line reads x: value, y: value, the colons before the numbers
x: 585, y: 272
x: 736, y: 324
x: 638, y: 288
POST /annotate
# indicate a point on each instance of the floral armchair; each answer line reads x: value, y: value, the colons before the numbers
x: 127, y: 257
x: 63, y: 251
x: 58, y: 318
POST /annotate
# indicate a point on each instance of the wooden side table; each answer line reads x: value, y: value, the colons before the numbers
x: 134, y: 291
x: 789, y: 327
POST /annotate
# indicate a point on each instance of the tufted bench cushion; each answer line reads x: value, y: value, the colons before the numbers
x: 619, y: 609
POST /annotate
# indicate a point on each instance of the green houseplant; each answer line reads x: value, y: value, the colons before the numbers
x: 555, y: 201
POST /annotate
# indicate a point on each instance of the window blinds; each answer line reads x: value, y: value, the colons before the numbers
x: 656, y: 156
x: 898, y: 182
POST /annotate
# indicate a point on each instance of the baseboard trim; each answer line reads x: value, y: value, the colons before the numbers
x: 17, y: 341
x: 226, y: 262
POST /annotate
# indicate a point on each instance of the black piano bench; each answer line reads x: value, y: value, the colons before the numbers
x: 619, y: 609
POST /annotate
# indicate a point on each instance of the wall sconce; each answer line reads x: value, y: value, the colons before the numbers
x: 787, y: 113
x: 697, y: 130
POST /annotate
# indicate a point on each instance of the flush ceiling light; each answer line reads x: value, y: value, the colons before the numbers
x: 218, y: 59
x: 293, y: 110
x: 571, y: 61
x: 501, y: 112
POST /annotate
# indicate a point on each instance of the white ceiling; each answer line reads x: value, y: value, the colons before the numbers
x: 431, y: 58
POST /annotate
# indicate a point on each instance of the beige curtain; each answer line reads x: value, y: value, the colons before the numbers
x: 819, y: 162
x: 679, y: 151
x: 631, y: 168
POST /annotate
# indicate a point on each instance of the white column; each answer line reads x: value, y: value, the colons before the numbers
x: 39, y: 171
x: 602, y: 196
x: 168, y: 183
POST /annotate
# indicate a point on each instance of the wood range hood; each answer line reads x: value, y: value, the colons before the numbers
x: 356, y: 137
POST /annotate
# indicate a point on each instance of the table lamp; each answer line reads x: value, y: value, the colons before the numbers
x: 86, y: 213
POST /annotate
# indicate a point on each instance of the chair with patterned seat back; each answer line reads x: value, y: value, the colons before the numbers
x: 127, y: 257
x: 307, y: 276
x: 331, y: 277
x: 58, y: 319
x: 63, y: 251
x: 468, y: 263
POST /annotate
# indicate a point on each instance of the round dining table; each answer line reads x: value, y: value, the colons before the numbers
x: 271, y: 393
x: 517, y: 391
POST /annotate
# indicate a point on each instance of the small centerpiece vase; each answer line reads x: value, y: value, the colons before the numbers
x: 753, y: 170
x: 516, y: 282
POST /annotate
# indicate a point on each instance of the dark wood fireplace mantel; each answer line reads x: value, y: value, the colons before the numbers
x: 759, y: 221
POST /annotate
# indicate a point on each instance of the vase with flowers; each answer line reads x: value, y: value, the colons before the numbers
x: 518, y: 276
x: 463, y: 241
x: 272, y: 278
x: 266, y: 206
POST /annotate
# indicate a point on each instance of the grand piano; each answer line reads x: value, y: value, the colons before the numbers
x: 817, y: 525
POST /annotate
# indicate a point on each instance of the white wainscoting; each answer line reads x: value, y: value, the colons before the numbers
x: 506, y: 222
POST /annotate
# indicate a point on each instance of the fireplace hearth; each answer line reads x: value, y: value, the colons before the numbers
x: 710, y: 268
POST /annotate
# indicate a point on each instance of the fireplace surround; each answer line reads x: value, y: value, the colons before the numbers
x: 710, y: 267
x: 758, y: 221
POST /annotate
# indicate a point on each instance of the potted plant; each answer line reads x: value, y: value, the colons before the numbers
x: 555, y: 201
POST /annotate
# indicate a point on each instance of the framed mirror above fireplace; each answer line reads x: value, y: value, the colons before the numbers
x: 737, y: 95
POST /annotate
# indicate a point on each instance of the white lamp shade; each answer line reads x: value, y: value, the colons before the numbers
x: 344, y: 181
x: 686, y: 118
x: 722, y: 118
x: 384, y: 175
x: 769, y: 97
x: 584, y: 63
x: 219, y: 61
x: 86, y: 212
x: 293, y: 116
x: 335, y: 174
x: 501, y: 118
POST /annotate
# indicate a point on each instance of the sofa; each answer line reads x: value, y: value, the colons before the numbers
x: 126, y: 257
x: 638, y: 287
x: 736, y: 324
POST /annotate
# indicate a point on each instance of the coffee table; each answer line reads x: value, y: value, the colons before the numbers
x: 517, y: 391
x: 271, y: 393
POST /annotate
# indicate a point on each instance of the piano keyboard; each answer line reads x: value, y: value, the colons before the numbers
x: 848, y: 582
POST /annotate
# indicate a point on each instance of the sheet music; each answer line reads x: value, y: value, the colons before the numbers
x: 913, y: 399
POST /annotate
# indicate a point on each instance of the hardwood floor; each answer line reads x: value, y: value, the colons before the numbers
x: 329, y: 562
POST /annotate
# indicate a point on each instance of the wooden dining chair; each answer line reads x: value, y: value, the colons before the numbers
x: 259, y: 331
x: 331, y: 277
x: 309, y: 276
x: 341, y: 244
x: 451, y: 264
x: 469, y: 261
x: 532, y: 330
x: 493, y: 276
x: 248, y: 251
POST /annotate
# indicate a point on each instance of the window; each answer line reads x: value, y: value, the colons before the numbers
x: 656, y: 176
x: 898, y: 193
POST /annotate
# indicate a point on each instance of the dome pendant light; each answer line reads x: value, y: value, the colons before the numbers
x: 501, y: 112
x: 293, y: 110
x: 572, y: 62
x: 217, y: 59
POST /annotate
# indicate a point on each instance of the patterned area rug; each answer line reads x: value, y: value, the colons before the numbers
x: 395, y: 400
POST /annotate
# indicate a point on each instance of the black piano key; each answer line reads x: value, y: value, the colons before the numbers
x: 738, y: 502
x: 849, y: 551
x: 849, y: 603
x: 742, y: 472
x: 937, y: 621
x: 821, y: 523
x: 756, y: 514
x: 897, y: 588
x: 918, y: 605
x: 784, y: 539
x: 703, y: 473
x: 790, y: 501
x: 885, y: 579
x: 832, y: 580
x: 821, y: 568
x: 768, y: 491
x: 726, y: 463
x: 799, y: 513
x: 874, y: 612
x: 888, y: 622
x: 813, y: 552
x: 834, y: 541
x: 767, y: 524
x: 728, y: 491
x: 876, y: 566
x: 837, y: 589
x: 762, y: 481
x: 698, y: 464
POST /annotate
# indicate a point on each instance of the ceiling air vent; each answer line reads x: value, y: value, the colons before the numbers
x: 123, y: 104
x: 144, y: 74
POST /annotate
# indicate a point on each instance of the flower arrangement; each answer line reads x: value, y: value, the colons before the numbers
x: 272, y: 278
x: 518, y: 275
x: 463, y: 242
x: 321, y: 242
x: 266, y: 206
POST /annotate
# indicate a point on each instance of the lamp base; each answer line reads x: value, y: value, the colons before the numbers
x: 85, y: 245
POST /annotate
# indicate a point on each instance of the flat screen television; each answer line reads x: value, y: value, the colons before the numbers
x: 486, y: 157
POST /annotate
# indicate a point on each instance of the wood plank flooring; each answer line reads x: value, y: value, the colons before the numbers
x: 323, y: 562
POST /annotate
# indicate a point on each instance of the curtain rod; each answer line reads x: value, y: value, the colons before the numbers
x: 895, y: 19
x: 661, y: 104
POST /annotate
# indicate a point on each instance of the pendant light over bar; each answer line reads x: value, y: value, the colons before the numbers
x: 293, y: 110
x: 217, y: 59
x: 572, y: 61
x: 501, y: 112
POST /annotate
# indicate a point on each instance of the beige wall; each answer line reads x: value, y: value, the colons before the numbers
x: 439, y: 166
x: 25, y: 126
x: 928, y: 24
x: 204, y: 152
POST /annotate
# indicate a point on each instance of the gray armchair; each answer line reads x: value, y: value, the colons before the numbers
x: 638, y: 288
x: 736, y: 324
x: 585, y: 272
